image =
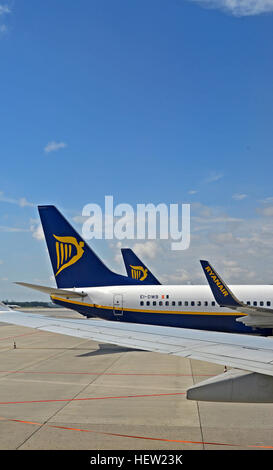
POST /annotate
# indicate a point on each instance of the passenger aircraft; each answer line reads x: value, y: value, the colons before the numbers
x: 252, y: 354
x: 86, y: 285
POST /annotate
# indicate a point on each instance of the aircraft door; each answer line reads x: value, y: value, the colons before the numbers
x: 118, y: 305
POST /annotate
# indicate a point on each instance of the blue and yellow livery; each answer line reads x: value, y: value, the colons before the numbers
x: 73, y: 262
x: 87, y: 285
x: 136, y: 269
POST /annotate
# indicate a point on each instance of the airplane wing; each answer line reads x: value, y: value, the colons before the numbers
x: 258, y: 317
x: 246, y: 352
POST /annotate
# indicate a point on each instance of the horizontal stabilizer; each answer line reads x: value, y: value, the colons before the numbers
x: 52, y: 290
x: 4, y: 307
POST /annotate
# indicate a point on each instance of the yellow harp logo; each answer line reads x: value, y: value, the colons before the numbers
x: 138, y: 272
x: 65, y: 252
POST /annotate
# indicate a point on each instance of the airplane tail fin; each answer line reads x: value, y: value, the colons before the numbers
x: 136, y: 269
x: 222, y: 294
x: 74, y: 263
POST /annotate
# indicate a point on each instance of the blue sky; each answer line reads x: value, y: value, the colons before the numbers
x: 149, y: 101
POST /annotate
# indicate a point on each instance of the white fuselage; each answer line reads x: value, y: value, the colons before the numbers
x: 175, y: 298
x: 171, y: 299
x: 180, y: 306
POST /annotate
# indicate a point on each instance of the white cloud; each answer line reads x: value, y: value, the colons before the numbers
x: 222, y: 238
x: 147, y: 249
x: 239, y: 249
x: 4, y: 9
x: 36, y: 229
x: 22, y: 202
x: 267, y: 200
x: 79, y: 219
x: 3, y: 28
x: 4, y: 228
x: 214, y: 176
x: 239, y: 197
x: 229, y: 262
x: 180, y: 276
x: 54, y: 146
x: 239, y: 7
x: 266, y: 211
x: 205, y: 216
x: 192, y: 191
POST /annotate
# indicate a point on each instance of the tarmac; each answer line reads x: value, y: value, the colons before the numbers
x: 60, y: 392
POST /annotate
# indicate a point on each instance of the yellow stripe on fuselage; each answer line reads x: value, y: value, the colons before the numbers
x: 167, y: 312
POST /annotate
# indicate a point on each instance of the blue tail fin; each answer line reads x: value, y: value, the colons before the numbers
x: 74, y: 263
x: 222, y: 294
x: 136, y: 269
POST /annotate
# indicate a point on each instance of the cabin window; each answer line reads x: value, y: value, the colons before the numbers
x: 261, y: 303
x: 173, y: 303
x: 268, y: 303
x: 179, y: 303
x: 206, y: 303
x: 147, y: 303
x: 166, y: 303
x: 192, y: 303
x: 248, y: 303
x: 186, y: 303
x: 154, y: 302
x: 160, y: 302
x: 213, y: 303
x: 141, y: 303
x: 198, y: 303
x: 255, y: 303
x: 167, y: 296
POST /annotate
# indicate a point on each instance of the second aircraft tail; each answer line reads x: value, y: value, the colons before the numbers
x: 136, y: 269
